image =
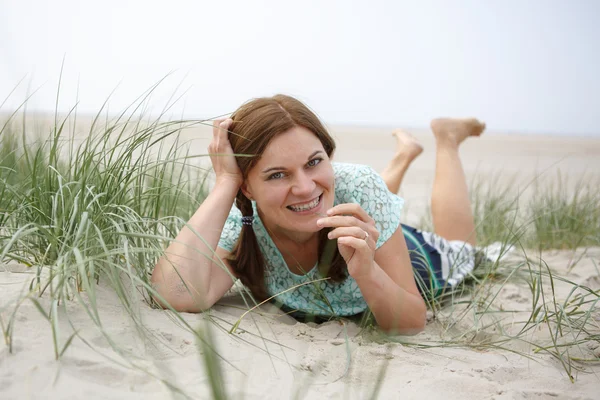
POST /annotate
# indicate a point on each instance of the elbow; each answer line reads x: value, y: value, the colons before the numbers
x: 407, y: 324
x: 159, y: 295
x: 416, y: 327
x: 179, y: 303
x: 178, y: 297
x: 421, y: 319
x: 408, y: 329
x: 418, y: 321
x: 180, y: 306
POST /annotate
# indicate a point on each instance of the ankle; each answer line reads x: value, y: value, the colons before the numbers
x: 401, y: 160
x: 446, y: 142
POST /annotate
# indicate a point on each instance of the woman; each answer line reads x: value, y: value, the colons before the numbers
x: 324, y: 238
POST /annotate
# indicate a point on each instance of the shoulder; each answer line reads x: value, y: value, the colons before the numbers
x: 350, y: 179
x: 348, y: 170
x: 231, y: 229
x: 358, y: 182
x: 361, y: 184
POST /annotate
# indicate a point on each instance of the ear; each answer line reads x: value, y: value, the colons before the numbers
x: 246, y: 190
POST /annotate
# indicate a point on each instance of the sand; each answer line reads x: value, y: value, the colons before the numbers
x: 271, y: 356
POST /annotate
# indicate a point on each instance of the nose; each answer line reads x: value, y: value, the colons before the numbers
x: 303, y: 185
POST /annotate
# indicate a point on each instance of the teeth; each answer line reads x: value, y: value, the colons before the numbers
x: 306, y: 207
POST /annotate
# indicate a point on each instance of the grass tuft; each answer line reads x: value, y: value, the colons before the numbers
x: 565, y: 218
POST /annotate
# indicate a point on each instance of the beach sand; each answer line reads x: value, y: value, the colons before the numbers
x: 271, y: 356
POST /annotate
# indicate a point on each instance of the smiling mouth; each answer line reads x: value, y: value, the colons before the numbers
x: 307, y: 206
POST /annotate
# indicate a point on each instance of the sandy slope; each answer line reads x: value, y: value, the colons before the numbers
x: 272, y: 356
x: 289, y: 357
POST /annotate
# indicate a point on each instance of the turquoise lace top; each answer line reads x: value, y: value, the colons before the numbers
x: 353, y: 184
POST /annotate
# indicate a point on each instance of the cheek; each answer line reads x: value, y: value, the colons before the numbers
x: 274, y: 195
x: 328, y: 179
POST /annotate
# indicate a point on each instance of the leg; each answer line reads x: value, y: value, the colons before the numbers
x: 450, y: 203
x: 407, y: 149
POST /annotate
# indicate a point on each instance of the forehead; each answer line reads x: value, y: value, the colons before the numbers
x: 294, y: 145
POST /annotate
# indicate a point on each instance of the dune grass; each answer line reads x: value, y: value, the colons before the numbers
x: 565, y: 218
x: 550, y: 212
x: 527, y: 218
x: 101, y: 206
x: 81, y: 207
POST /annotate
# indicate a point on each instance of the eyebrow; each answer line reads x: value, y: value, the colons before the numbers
x: 282, y: 168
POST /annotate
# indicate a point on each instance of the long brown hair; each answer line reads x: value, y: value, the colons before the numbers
x: 254, y: 125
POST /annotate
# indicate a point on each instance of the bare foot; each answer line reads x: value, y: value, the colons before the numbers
x: 456, y: 129
x: 408, y: 147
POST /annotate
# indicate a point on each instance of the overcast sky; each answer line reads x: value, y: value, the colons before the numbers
x: 523, y: 66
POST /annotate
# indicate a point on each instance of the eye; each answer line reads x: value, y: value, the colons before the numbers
x: 314, y: 162
x: 276, y: 175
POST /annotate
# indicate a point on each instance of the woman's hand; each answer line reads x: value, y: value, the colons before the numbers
x: 356, y: 234
x: 221, y: 153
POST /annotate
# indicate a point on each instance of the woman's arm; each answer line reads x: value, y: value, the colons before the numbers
x: 390, y: 290
x: 384, y: 276
x: 190, y: 275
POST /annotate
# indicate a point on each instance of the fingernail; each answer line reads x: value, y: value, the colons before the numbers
x: 320, y: 222
x: 329, y: 235
x: 330, y: 211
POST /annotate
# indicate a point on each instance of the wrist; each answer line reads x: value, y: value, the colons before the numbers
x: 368, y: 274
x: 229, y: 182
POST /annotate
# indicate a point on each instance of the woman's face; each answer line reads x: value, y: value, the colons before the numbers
x: 293, y: 182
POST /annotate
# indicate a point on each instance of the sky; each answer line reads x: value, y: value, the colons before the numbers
x: 522, y: 66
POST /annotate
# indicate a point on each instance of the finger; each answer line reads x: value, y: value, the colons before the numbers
x: 222, y: 144
x: 355, y: 243
x: 226, y: 123
x: 338, y: 221
x: 353, y: 232
x: 224, y: 128
x: 221, y: 126
x: 215, y: 125
x: 347, y: 231
x: 350, y: 209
